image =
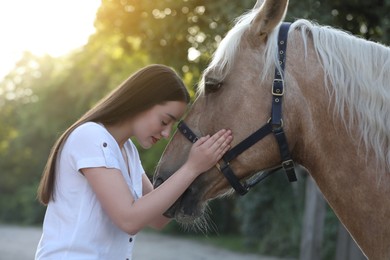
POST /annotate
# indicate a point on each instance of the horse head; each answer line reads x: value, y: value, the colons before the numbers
x: 234, y: 93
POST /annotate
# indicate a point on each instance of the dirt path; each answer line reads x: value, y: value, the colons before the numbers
x: 20, y: 243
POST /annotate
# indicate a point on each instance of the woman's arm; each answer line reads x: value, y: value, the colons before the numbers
x: 130, y: 215
x: 160, y: 221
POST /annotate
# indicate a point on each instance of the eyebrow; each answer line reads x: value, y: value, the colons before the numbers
x: 171, y: 116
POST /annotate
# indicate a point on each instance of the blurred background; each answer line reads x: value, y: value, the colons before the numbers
x: 57, y: 58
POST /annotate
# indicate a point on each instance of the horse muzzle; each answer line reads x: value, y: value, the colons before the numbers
x: 187, y: 208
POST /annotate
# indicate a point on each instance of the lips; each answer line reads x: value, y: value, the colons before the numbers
x: 154, y: 140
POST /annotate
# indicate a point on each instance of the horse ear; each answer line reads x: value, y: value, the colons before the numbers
x: 270, y: 14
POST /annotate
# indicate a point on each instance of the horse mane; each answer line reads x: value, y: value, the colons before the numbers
x: 356, y: 71
x: 357, y: 76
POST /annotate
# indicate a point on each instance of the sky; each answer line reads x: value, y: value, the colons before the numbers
x: 53, y: 27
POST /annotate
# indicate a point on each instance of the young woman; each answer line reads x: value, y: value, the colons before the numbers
x: 97, y: 193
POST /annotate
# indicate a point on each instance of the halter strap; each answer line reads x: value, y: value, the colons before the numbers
x: 278, y: 84
x: 277, y: 95
x: 187, y: 132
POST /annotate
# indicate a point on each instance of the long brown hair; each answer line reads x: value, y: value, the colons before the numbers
x: 149, y: 86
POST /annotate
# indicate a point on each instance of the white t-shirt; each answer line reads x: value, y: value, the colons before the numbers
x: 75, y: 225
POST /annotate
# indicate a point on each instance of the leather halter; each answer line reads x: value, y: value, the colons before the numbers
x: 274, y: 125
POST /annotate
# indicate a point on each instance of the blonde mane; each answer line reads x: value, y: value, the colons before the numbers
x: 357, y: 75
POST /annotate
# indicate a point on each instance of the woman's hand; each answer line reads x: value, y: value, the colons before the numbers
x: 207, y: 151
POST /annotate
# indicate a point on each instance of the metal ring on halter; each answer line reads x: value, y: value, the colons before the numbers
x: 281, y: 122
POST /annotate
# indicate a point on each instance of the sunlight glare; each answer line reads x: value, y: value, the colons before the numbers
x: 51, y: 27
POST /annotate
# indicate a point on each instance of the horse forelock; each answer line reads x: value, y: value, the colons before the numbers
x: 224, y: 56
x: 357, y: 76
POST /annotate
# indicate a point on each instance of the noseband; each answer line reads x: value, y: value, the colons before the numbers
x: 274, y: 125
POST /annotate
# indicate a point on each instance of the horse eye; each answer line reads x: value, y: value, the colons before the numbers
x: 212, y: 86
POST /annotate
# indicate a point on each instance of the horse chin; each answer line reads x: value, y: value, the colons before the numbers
x: 187, y: 219
x: 185, y: 213
x: 190, y: 215
x: 198, y: 220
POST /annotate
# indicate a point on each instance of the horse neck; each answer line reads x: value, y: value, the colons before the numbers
x: 343, y: 168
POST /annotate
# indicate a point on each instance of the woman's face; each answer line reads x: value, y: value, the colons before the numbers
x: 157, y: 122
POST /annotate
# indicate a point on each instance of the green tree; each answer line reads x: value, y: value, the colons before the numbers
x: 182, y: 34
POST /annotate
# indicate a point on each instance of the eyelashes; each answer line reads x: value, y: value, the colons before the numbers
x: 212, y: 85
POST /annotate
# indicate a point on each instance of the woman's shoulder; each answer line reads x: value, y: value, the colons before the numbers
x: 89, y: 130
x: 89, y: 127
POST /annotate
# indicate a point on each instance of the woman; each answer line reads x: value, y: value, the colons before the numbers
x: 97, y: 193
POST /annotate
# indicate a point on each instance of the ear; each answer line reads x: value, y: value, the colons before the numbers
x: 270, y: 14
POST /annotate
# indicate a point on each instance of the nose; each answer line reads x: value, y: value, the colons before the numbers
x: 166, y: 132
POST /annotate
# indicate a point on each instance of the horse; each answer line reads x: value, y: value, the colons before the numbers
x: 321, y: 98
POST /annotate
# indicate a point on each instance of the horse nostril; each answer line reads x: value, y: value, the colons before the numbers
x: 158, y: 182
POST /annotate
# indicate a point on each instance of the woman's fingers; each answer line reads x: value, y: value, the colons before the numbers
x: 218, y: 138
x: 219, y: 143
x: 225, y: 146
x: 223, y: 141
x: 202, y: 140
x: 208, y: 150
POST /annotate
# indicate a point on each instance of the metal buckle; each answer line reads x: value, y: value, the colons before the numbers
x: 275, y: 93
x: 288, y: 164
x: 218, y: 166
x: 222, y: 167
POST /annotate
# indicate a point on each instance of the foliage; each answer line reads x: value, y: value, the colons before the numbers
x: 182, y: 34
x: 42, y: 96
x: 261, y: 211
x: 368, y: 19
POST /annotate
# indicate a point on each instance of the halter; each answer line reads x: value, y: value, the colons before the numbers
x: 274, y: 125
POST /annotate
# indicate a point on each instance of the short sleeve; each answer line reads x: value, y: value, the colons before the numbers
x: 136, y: 169
x: 90, y: 146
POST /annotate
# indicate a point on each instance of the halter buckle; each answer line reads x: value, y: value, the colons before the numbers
x: 288, y: 164
x: 277, y: 89
x: 218, y: 166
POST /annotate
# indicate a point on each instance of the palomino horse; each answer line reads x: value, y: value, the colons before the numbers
x: 336, y: 119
